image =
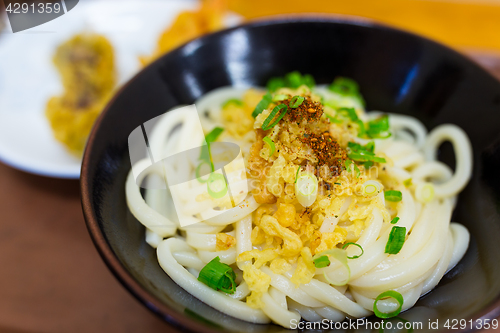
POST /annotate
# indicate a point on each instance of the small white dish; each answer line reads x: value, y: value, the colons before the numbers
x: 28, y: 77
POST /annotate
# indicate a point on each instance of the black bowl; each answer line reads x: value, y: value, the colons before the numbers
x: 397, y: 72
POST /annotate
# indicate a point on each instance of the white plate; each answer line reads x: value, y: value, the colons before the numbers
x: 28, y: 77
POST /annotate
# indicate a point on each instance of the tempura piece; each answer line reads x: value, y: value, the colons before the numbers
x: 189, y: 25
x: 86, y: 65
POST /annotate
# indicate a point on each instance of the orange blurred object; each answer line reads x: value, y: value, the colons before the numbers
x: 189, y: 25
x: 472, y: 24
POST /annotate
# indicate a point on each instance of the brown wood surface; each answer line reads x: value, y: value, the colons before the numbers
x: 51, y: 277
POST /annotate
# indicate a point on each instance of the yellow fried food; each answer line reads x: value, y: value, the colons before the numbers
x: 224, y: 242
x: 189, y: 25
x: 86, y: 65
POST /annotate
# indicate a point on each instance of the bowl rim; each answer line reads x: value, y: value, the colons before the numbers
x: 172, y: 317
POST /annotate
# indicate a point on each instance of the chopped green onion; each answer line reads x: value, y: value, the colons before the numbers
x: 356, y: 147
x: 348, y: 113
x: 363, y: 156
x: 235, y: 101
x: 347, y: 87
x: 347, y: 165
x: 351, y: 243
x: 365, y: 153
x: 395, y: 220
x: 424, y: 192
x: 321, y: 262
x: 392, y: 294
x: 344, y: 86
x: 371, y: 187
x: 218, y: 276
x: 275, y: 83
x: 340, y: 256
x: 213, y: 135
x: 293, y: 79
x: 263, y: 104
x: 306, y: 189
x: 279, y: 97
x: 266, y: 126
x: 270, y: 145
x: 205, y: 149
x: 308, y: 80
x: 216, y: 185
x: 296, y: 101
x: 379, y: 128
x: 197, y: 171
x: 297, y: 175
x: 368, y: 164
x: 333, y: 119
x: 396, y: 240
x: 370, y: 146
x: 393, y: 196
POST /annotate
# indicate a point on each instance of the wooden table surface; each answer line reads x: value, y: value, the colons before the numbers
x: 52, y: 278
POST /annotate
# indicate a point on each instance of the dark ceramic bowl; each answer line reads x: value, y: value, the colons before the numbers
x: 397, y: 72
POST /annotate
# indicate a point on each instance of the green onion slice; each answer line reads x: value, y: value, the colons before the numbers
x: 297, y: 175
x: 293, y: 79
x: 235, y: 101
x: 197, y: 171
x: 371, y: 187
x: 344, y: 86
x: 218, y: 276
x: 356, y: 244
x: 263, y: 104
x: 216, y: 185
x: 296, y: 101
x: 396, y: 240
x: 279, y: 97
x: 379, y: 128
x: 321, y: 262
x: 306, y: 189
x: 275, y: 83
x: 308, y: 80
x: 424, y: 192
x: 392, y: 294
x: 347, y: 87
x: 205, y: 149
x: 362, y: 156
x: 213, y: 135
x: 395, y: 220
x: 333, y: 119
x: 340, y: 256
x: 364, y: 153
x: 270, y: 145
x: 266, y: 126
x: 393, y: 196
x: 368, y: 165
x: 348, y: 164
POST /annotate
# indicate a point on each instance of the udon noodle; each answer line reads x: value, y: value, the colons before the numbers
x: 381, y: 185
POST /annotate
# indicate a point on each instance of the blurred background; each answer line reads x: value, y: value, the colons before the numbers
x: 55, y: 79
